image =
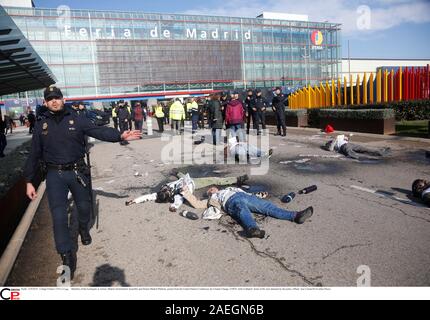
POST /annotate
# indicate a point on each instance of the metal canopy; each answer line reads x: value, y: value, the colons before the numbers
x: 21, y: 68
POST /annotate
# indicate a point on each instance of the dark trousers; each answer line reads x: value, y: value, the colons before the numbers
x: 160, y: 124
x: 195, y: 121
x: 281, y: 122
x: 177, y: 125
x: 138, y: 124
x: 123, y: 126
x: 31, y: 128
x: 359, y: 152
x: 115, y: 123
x: 261, y: 118
x: 58, y: 184
x: 3, y: 143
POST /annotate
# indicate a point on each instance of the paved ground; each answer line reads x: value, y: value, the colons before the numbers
x: 146, y: 245
x: 18, y: 137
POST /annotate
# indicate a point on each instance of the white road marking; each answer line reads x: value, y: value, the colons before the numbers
x: 382, y: 194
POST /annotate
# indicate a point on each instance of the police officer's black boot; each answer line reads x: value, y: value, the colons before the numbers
x: 284, y: 132
x: 85, y: 236
x: 69, y: 260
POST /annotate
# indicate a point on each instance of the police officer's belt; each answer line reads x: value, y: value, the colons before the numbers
x: 67, y: 167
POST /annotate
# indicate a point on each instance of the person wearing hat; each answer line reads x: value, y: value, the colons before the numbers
x: 261, y: 106
x: 250, y: 110
x: 279, y: 102
x: 58, y: 142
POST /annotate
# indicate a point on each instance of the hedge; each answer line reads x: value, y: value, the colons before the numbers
x: 404, y: 110
x: 365, y: 114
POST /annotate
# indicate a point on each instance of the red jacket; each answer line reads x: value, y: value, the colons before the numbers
x: 234, y: 113
x: 138, y: 113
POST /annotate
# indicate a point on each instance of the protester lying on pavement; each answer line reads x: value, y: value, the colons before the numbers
x: 171, y: 192
x: 342, y: 145
x: 240, y: 205
x: 421, y: 189
x: 244, y: 150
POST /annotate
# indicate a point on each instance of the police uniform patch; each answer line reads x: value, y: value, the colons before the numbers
x: 71, y: 122
x: 45, y: 129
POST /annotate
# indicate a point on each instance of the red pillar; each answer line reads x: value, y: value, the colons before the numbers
x: 428, y: 82
x: 406, y: 85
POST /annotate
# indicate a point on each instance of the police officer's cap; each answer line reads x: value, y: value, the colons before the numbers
x: 52, y: 92
x: 258, y: 91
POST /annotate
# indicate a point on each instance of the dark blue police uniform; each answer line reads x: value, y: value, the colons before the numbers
x: 58, y: 141
x: 279, y: 102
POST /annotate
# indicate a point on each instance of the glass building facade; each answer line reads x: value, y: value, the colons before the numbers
x: 107, y: 53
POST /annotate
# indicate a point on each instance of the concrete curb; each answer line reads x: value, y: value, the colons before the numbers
x: 9, y: 256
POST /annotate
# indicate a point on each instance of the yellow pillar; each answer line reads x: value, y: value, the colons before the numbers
x: 327, y: 95
x: 371, y: 91
x: 309, y: 93
x: 351, y: 90
x: 392, y: 85
x: 333, y: 94
x: 357, y: 89
x: 318, y: 91
x: 365, y: 89
x: 379, y: 87
x: 345, y: 92
x: 322, y: 95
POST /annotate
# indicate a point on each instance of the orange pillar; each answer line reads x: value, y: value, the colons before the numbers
x: 371, y: 89
x: 345, y: 93
x: 365, y: 89
x: 357, y: 89
x: 351, y: 90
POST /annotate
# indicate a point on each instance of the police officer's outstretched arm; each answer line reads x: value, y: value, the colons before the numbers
x: 107, y: 134
x: 32, y: 165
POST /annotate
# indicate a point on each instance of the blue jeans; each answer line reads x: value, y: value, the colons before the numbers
x: 237, y: 130
x: 195, y: 120
x: 58, y: 184
x: 241, y: 205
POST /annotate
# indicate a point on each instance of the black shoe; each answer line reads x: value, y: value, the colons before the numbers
x: 69, y: 260
x: 278, y: 134
x: 302, y: 216
x: 427, y: 154
x: 241, y: 180
x: 255, y: 233
x: 124, y: 143
x: 85, y: 236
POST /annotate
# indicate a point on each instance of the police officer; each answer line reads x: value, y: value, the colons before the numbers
x: 58, y: 141
x: 250, y: 107
x: 124, y: 117
x: 261, y: 106
x: 279, y: 103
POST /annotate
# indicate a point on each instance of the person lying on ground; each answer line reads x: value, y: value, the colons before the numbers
x: 342, y: 145
x: 244, y: 150
x: 421, y: 189
x: 171, y: 192
x: 240, y: 206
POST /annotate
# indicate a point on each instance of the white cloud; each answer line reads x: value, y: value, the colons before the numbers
x: 385, y: 14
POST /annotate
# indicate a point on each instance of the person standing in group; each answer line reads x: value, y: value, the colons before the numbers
x: 194, y: 115
x: 22, y: 119
x: 115, y: 117
x: 129, y: 122
x: 123, y: 120
x: 137, y: 116
x: 279, y: 102
x: 3, y: 141
x: 177, y: 115
x: 202, y: 103
x: 250, y: 107
x: 261, y: 106
x: 31, y: 121
x: 234, y: 117
x: 159, y: 114
x: 166, y: 111
x: 215, y: 118
x: 225, y: 99
x: 58, y: 142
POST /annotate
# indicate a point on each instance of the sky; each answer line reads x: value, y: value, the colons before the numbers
x: 385, y: 29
